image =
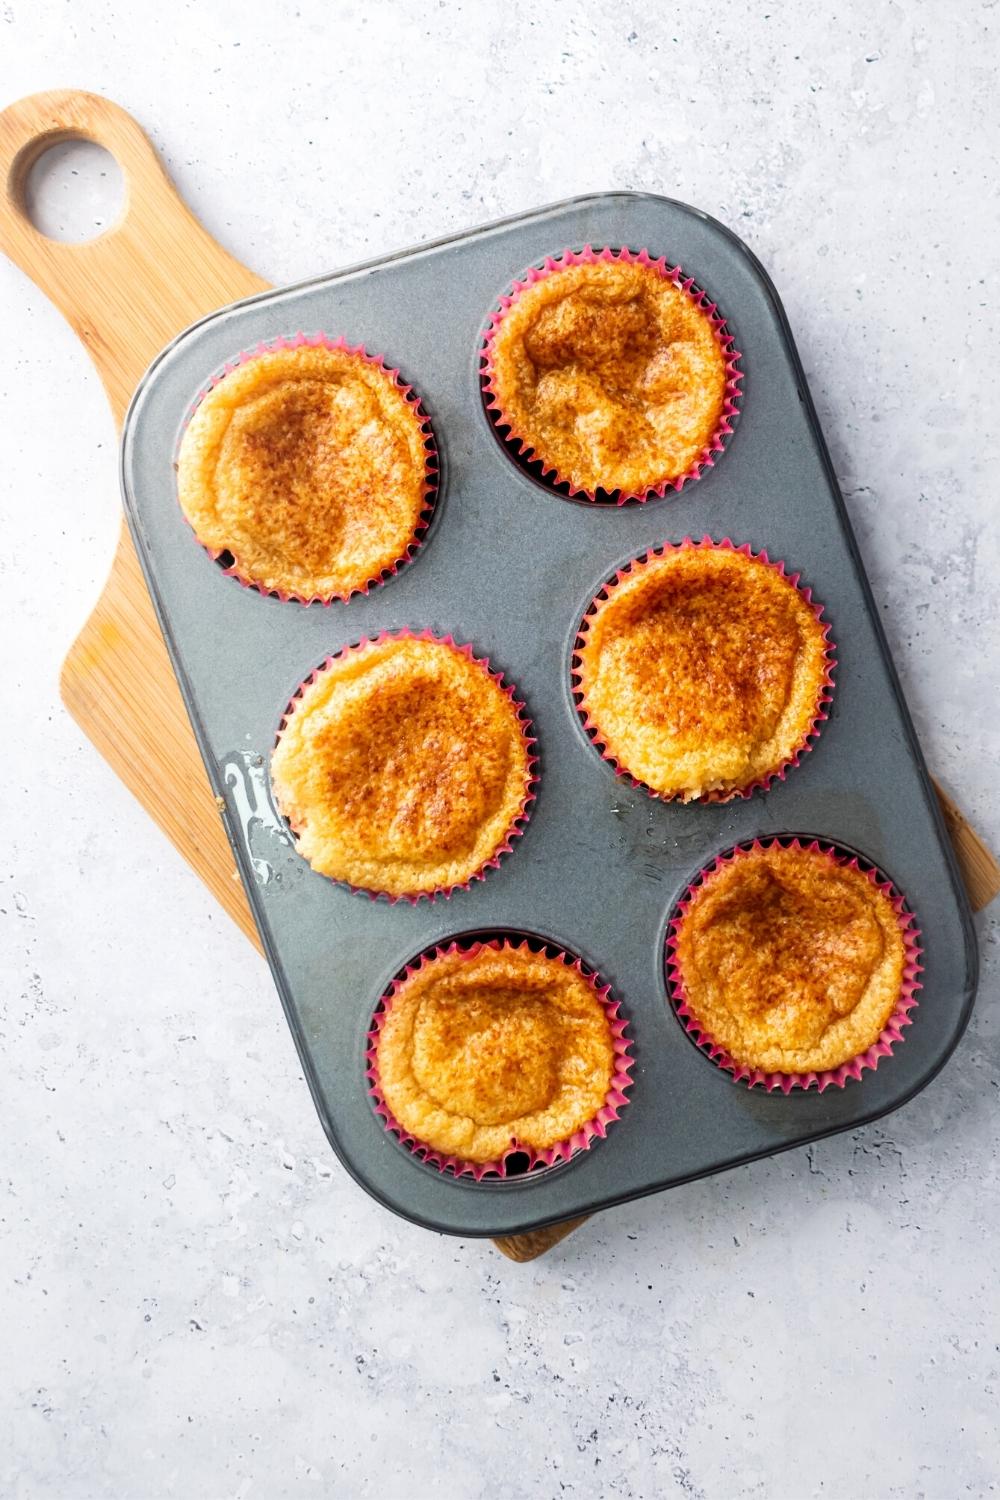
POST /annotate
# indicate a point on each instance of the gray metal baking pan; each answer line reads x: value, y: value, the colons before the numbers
x: 511, y: 566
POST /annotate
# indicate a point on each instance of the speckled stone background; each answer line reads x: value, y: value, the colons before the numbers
x: 196, y: 1301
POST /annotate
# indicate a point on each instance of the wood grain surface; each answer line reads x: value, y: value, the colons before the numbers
x: 127, y: 293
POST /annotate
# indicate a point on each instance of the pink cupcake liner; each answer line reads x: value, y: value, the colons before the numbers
x: 562, y: 1151
x: 520, y: 819
x: 761, y: 783
x: 700, y: 299
x: 888, y: 1038
x: 431, y: 466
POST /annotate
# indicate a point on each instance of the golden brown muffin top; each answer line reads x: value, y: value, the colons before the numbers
x: 611, y: 374
x: 402, y: 767
x: 791, y: 961
x: 308, y: 465
x: 702, y: 670
x: 487, y: 1048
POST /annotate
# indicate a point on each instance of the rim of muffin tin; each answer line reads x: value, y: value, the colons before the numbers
x: 813, y: 1083
x: 824, y: 698
x: 176, y: 621
x: 546, y: 476
x: 225, y: 560
x: 510, y: 691
x: 539, y: 1165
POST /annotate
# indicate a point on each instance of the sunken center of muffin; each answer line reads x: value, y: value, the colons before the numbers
x: 792, y: 957
x: 301, y: 465
x: 492, y: 1055
x: 408, y: 764
x: 613, y: 336
x: 703, y: 658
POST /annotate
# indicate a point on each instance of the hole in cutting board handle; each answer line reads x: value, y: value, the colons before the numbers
x: 74, y: 191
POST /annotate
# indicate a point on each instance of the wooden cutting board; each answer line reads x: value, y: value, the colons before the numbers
x: 127, y: 293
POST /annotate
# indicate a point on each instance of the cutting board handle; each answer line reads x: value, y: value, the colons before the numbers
x: 130, y: 290
x: 127, y: 293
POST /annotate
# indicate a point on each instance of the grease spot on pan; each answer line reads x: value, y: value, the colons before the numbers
x: 265, y: 836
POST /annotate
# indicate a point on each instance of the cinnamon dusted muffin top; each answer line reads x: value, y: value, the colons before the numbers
x: 402, y: 766
x: 611, y: 374
x: 790, y: 960
x: 485, y: 1048
x: 308, y: 465
x: 702, y: 670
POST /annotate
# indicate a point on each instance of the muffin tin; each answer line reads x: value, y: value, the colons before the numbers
x: 510, y: 565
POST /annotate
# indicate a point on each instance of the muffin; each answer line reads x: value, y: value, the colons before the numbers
x: 792, y: 960
x: 308, y: 466
x: 701, y: 670
x: 494, y: 1048
x: 404, y: 766
x: 612, y: 373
